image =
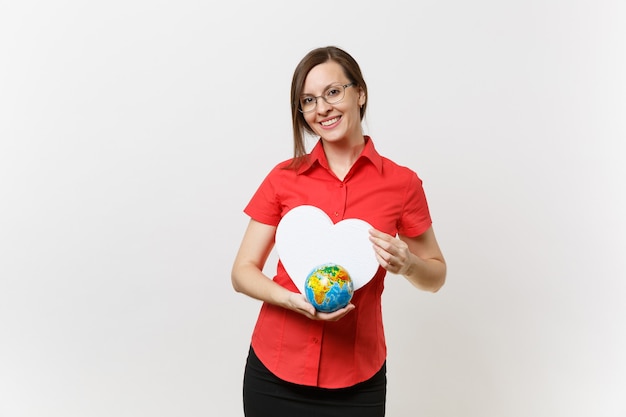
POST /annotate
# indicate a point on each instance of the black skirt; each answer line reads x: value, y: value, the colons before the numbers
x: 266, y: 395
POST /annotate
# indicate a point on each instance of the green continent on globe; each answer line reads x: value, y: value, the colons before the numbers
x: 329, y: 287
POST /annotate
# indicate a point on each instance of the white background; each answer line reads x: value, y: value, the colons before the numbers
x: 133, y: 133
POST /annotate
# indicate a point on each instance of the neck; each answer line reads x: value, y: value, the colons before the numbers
x: 342, y: 155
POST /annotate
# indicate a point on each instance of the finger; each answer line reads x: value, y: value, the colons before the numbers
x: 385, y: 260
x: 336, y: 315
x: 381, y: 249
x: 301, y: 304
x: 377, y: 234
x: 309, y: 308
x: 387, y: 246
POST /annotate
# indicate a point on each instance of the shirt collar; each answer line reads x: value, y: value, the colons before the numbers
x: 317, y: 155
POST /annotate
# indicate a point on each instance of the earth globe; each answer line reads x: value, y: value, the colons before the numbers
x: 329, y: 287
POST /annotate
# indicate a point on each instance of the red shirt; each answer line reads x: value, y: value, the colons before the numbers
x: 387, y: 196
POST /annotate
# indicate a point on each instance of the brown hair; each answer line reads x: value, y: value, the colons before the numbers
x: 315, y: 57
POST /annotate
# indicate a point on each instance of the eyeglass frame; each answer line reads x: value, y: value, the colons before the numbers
x: 344, y: 86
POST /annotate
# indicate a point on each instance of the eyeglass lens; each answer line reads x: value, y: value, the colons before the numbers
x: 332, y: 95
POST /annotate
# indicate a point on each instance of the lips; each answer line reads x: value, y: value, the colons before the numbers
x: 330, y: 122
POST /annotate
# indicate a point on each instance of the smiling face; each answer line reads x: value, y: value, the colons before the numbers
x: 338, y: 122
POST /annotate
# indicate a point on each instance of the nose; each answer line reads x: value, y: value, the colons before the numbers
x: 322, y: 106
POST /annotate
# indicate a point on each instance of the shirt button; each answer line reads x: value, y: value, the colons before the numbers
x: 336, y: 213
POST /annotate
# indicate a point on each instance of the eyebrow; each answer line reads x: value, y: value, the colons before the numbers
x: 325, y: 88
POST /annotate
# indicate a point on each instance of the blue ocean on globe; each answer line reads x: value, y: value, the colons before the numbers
x: 329, y: 287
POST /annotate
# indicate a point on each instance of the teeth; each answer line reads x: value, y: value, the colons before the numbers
x: 330, y: 122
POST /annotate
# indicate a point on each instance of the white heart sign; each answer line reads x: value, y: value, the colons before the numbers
x: 307, y: 238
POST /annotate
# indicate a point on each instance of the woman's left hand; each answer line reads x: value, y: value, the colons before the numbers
x: 392, y: 253
x: 418, y: 258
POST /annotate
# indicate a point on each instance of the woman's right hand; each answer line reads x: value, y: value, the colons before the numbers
x: 298, y: 303
x: 248, y: 278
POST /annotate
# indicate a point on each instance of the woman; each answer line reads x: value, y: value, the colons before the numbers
x: 303, y: 362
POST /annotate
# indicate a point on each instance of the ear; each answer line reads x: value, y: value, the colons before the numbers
x: 362, y: 97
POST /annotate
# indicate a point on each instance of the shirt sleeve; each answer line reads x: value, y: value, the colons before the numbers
x: 415, y: 218
x: 264, y: 206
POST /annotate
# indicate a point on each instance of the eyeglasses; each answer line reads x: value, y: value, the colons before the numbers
x: 334, y: 94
